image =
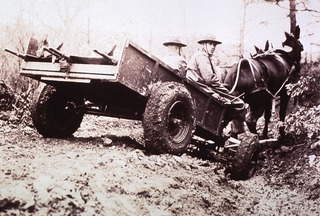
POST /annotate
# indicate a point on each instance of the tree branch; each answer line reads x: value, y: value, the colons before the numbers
x: 306, y: 9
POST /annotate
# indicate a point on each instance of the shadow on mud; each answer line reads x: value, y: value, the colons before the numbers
x: 108, y: 141
x: 125, y: 140
x: 209, y: 154
x: 203, y: 153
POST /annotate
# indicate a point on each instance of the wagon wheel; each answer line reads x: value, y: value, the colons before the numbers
x: 169, y: 119
x: 245, y: 159
x: 54, y: 114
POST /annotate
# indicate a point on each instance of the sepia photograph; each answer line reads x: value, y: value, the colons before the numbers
x: 160, y: 108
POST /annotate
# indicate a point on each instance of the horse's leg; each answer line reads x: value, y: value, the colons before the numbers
x: 267, y: 116
x: 237, y: 127
x: 256, y: 109
x: 252, y: 119
x: 252, y: 123
x: 284, y: 100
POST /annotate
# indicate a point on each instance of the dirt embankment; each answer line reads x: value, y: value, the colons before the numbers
x: 104, y: 170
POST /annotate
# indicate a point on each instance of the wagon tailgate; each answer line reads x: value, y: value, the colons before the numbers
x: 48, y: 71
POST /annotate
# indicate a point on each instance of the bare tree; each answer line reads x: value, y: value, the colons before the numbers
x: 294, y: 7
x: 246, y: 3
x: 292, y: 15
x: 242, y: 27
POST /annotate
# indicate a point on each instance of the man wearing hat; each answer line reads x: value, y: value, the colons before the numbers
x: 201, y: 67
x: 174, y: 56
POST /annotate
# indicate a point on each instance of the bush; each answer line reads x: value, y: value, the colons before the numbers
x: 306, y: 91
x: 14, y: 107
x: 304, y: 123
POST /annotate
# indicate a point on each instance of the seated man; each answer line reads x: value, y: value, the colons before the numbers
x: 174, y: 56
x: 201, y: 67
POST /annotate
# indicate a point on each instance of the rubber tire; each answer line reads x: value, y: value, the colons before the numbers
x: 54, y: 114
x: 169, y: 119
x: 245, y: 159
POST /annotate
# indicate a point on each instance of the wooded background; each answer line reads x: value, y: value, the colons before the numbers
x: 84, y: 25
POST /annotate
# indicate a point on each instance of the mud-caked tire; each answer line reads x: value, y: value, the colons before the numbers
x: 54, y: 114
x: 169, y: 119
x: 245, y: 159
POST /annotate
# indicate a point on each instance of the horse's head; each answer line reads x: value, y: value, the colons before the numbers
x: 292, y: 40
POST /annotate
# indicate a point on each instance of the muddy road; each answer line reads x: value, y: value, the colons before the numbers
x: 104, y: 170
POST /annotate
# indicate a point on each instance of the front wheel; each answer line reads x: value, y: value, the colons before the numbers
x: 169, y: 119
x: 54, y: 114
x: 245, y: 159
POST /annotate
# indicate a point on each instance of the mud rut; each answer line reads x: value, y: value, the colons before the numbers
x: 105, y: 170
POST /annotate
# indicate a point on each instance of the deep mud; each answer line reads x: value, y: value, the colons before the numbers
x: 104, y: 170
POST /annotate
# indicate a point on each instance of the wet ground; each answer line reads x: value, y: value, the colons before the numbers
x: 104, y: 170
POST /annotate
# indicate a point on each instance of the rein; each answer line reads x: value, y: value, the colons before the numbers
x: 293, y: 67
x: 283, y: 84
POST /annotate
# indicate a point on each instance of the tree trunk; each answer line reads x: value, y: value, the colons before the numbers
x: 242, y: 28
x: 292, y: 15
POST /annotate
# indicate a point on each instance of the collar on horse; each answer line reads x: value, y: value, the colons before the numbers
x: 253, y: 68
x: 281, y: 56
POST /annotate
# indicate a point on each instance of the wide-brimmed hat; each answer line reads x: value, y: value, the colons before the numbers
x: 174, y: 41
x: 209, y: 38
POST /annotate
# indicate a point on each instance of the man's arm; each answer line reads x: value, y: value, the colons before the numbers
x: 208, y: 75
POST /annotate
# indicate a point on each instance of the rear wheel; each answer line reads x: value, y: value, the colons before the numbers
x: 245, y: 159
x: 169, y: 119
x: 54, y: 114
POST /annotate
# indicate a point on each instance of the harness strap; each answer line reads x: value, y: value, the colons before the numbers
x: 283, y: 84
x: 293, y: 67
x: 251, y: 65
x: 237, y: 77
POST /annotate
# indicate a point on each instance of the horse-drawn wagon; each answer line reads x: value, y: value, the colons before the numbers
x: 173, y: 110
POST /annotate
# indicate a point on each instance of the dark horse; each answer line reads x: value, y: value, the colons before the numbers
x: 263, y: 77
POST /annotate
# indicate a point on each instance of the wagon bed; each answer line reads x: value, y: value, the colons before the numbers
x: 134, y: 74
